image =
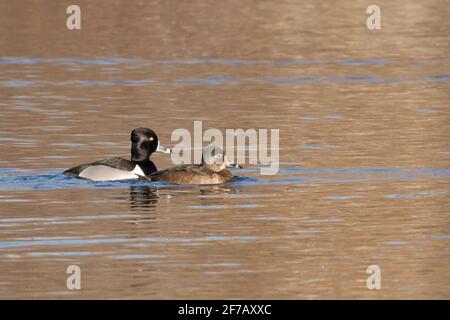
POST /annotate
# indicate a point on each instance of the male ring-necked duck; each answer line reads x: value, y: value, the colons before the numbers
x: 212, y: 170
x: 143, y: 143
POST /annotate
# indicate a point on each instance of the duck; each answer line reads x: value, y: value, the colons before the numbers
x: 212, y: 170
x: 144, y: 142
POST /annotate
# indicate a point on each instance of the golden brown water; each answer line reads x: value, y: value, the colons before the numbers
x: 364, y: 149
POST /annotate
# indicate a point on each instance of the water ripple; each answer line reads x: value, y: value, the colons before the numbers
x: 17, y: 179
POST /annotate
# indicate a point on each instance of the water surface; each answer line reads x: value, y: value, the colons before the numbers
x: 364, y: 149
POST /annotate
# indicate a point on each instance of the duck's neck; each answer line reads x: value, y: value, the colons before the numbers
x: 148, y: 167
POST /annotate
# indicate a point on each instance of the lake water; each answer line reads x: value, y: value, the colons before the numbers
x: 364, y: 120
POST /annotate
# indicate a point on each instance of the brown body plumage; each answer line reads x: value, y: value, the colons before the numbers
x: 191, y: 174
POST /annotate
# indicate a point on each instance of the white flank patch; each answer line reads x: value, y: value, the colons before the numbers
x: 105, y: 173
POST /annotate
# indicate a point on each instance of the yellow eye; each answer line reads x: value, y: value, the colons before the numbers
x: 151, y: 138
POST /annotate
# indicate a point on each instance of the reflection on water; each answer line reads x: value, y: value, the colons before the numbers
x: 364, y: 149
x: 143, y: 197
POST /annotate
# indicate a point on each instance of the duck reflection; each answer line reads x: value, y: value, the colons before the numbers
x: 143, y: 197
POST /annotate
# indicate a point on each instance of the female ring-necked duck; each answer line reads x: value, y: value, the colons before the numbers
x: 211, y: 171
x: 143, y: 143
